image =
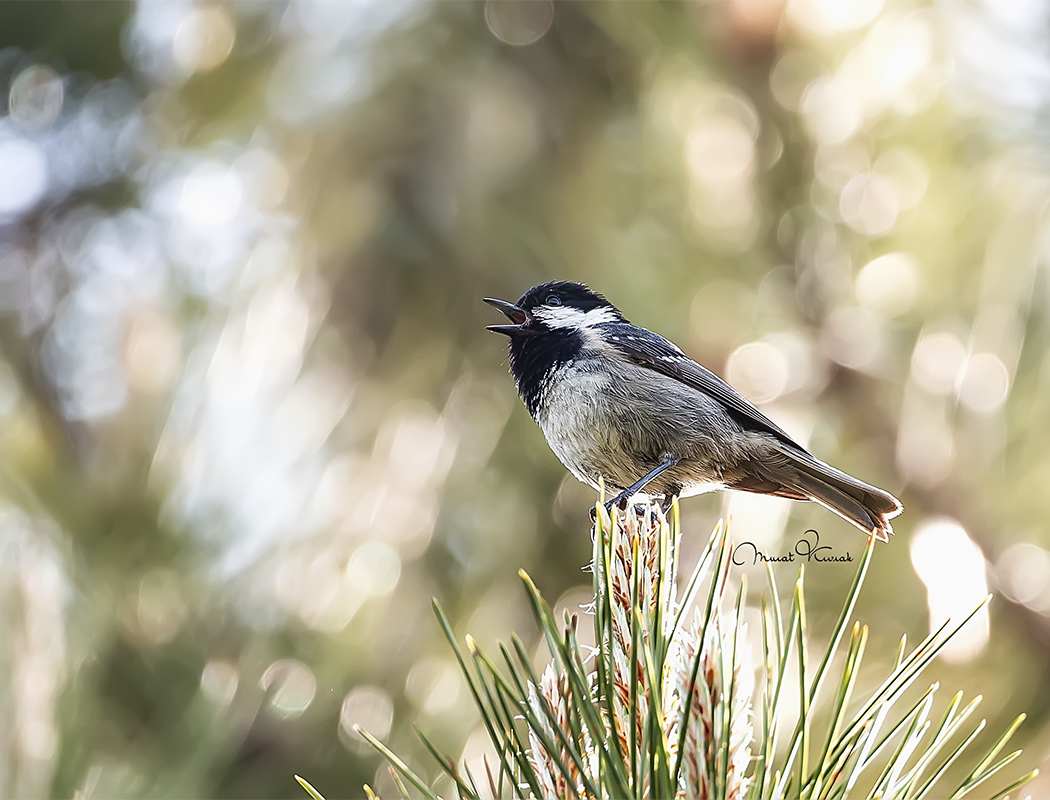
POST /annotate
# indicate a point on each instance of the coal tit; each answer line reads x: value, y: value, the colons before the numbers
x: 623, y: 406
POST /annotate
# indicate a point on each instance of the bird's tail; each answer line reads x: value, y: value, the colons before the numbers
x: 866, y: 506
x: 800, y: 476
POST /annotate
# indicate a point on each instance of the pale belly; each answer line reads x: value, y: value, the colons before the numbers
x: 609, y: 429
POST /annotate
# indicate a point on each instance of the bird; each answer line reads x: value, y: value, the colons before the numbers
x: 626, y: 409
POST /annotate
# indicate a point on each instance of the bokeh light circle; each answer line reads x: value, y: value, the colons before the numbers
x: 519, y: 22
x: 368, y: 707
x: 887, y: 285
x: 36, y: 97
x: 291, y: 685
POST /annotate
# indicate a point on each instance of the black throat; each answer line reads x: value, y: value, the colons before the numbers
x: 534, y: 358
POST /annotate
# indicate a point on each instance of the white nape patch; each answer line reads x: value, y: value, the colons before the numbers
x: 566, y: 317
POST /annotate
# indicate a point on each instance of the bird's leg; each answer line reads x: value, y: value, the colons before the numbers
x: 638, y: 485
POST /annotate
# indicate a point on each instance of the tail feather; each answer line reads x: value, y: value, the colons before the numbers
x: 835, y: 498
x: 791, y: 473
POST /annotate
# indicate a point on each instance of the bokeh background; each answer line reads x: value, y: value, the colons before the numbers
x: 251, y: 422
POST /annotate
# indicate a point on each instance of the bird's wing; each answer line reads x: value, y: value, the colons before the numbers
x: 657, y: 353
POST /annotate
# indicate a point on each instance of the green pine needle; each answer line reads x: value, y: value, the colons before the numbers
x: 310, y: 790
x: 663, y: 707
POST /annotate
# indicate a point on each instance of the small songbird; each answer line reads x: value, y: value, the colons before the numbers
x: 623, y: 406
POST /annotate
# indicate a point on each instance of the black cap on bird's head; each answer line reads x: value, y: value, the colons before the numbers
x: 547, y: 330
x: 553, y: 306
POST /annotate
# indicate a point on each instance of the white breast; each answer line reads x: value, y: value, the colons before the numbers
x: 575, y: 431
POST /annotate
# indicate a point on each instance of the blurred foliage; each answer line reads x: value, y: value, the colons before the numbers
x: 251, y: 422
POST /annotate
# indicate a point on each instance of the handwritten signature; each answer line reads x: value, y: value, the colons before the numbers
x: 805, y: 548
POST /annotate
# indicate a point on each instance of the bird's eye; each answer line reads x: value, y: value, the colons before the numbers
x: 552, y: 300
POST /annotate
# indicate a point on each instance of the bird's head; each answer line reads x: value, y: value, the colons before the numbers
x: 558, y: 306
x: 549, y: 326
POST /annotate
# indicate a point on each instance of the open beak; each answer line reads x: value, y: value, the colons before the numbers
x: 513, y: 313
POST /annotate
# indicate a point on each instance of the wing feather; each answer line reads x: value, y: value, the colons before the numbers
x: 651, y: 350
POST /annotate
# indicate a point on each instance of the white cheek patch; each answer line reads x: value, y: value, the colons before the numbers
x: 564, y: 317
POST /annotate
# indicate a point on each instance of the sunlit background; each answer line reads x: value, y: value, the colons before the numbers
x: 251, y: 422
